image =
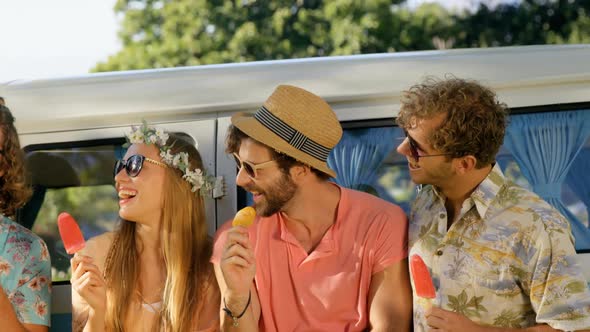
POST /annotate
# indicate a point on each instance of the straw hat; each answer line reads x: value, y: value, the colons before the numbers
x: 295, y: 122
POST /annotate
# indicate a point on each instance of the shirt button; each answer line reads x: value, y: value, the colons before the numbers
x: 439, y: 252
x: 442, y: 216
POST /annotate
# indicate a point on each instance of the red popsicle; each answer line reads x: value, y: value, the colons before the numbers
x: 70, y: 233
x: 421, y: 277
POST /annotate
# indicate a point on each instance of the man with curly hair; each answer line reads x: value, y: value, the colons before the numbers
x: 25, y: 266
x: 501, y: 258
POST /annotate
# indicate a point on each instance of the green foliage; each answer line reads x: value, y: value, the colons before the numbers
x: 192, y: 32
x: 531, y: 22
x: 165, y: 33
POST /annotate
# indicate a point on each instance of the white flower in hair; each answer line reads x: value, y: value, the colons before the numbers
x: 167, y: 157
x: 195, y: 178
x: 185, y: 159
x: 135, y: 136
x: 162, y: 135
x: 176, y: 160
x: 148, y: 135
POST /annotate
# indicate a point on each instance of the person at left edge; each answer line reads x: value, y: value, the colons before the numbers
x: 25, y: 266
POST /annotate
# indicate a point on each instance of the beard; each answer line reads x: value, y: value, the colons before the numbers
x: 439, y: 175
x: 275, y: 196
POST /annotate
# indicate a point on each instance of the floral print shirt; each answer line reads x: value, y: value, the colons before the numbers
x: 25, y: 272
x: 508, y: 260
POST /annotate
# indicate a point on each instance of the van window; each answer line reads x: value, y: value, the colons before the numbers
x: 548, y: 153
x: 74, y: 178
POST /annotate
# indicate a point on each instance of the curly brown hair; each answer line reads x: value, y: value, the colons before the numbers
x: 235, y: 137
x: 475, y: 120
x: 14, y: 190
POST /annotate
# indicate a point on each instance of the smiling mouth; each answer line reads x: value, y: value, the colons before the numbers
x: 126, y: 194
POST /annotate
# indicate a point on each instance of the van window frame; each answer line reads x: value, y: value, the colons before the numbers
x: 71, y: 145
x: 390, y: 122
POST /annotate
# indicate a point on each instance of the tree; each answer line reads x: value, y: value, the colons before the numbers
x: 166, y: 33
x: 192, y: 32
x: 527, y: 23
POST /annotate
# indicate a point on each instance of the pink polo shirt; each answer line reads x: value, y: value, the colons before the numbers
x: 328, y: 289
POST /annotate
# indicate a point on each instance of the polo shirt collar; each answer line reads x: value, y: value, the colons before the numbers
x: 329, y: 242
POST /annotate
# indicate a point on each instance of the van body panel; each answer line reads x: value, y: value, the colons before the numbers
x: 523, y: 76
x: 226, y: 168
x: 199, y: 101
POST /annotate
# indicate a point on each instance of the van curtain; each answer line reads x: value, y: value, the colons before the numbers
x: 578, y: 179
x: 545, y: 145
x: 358, y: 155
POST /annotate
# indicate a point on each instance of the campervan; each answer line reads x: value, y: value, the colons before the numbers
x: 72, y: 130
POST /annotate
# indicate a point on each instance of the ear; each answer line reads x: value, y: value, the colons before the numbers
x: 464, y: 164
x: 299, y: 172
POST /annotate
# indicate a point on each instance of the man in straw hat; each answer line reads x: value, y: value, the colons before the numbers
x: 318, y: 257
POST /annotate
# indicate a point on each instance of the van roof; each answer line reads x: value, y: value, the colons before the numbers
x: 358, y: 87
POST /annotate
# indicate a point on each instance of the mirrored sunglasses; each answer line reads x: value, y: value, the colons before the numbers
x: 133, y: 165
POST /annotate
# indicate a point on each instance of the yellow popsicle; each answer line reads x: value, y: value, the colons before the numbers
x: 244, y: 217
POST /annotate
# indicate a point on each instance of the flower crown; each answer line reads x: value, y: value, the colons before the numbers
x: 150, y: 135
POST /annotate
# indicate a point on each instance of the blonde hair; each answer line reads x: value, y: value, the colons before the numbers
x: 186, y: 250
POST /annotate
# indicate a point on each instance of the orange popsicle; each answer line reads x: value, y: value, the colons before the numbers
x: 421, y: 277
x: 244, y: 217
x: 70, y: 233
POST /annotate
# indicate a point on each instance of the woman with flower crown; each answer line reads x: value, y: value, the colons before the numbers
x: 153, y: 272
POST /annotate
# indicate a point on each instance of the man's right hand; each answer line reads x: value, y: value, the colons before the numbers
x: 238, y: 265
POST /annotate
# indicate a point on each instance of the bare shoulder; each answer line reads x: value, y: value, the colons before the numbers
x: 99, y: 243
x: 98, y: 247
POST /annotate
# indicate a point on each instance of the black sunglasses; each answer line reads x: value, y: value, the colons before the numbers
x: 133, y: 165
x: 415, y: 151
x: 251, y: 169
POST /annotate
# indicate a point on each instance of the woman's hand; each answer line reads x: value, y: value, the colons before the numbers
x: 87, y: 281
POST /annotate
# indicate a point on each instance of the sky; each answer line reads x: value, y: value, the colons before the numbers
x: 58, y: 38
x: 49, y: 38
x: 461, y: 5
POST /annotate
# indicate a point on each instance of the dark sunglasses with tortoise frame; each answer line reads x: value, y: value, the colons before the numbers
x: 415, y: 150
x: 134, y: 164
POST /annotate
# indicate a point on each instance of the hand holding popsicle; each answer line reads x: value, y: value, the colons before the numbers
x: 238, y: 263
x: 86, y: 278
x: 88, y: 283
x: 70, y: 233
